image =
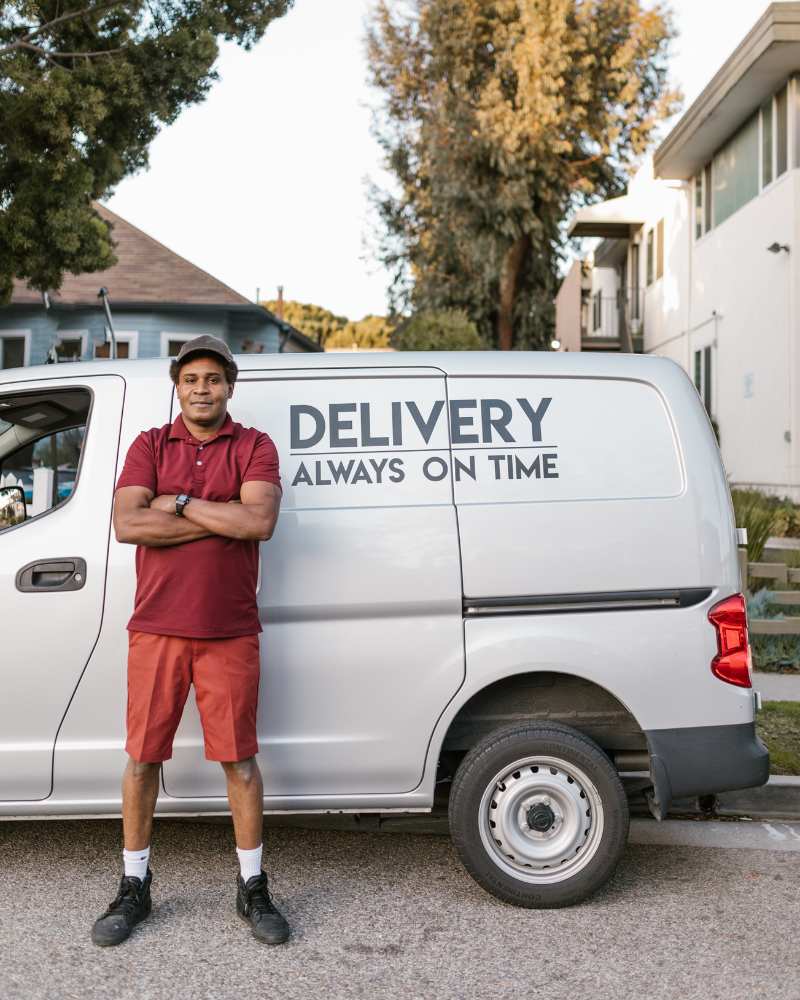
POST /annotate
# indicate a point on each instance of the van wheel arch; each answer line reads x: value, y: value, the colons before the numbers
x: 551, y: 696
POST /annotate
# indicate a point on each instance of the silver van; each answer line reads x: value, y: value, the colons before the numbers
x: 510, y: 575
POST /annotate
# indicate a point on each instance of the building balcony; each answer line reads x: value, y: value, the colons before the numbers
x: 612, y: 322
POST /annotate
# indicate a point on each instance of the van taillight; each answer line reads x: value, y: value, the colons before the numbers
x: 732, y: 662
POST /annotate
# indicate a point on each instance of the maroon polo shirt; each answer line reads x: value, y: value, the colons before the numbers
x: 205, y: 588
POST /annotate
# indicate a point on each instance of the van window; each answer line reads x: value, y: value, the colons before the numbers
x: 41, y: 438
x: 527, y: 440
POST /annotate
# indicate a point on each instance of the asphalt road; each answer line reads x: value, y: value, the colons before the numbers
x: 389, y: 915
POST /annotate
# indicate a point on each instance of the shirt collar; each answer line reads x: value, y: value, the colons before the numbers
x: 178, y: 430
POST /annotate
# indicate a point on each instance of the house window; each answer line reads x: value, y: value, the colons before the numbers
x: 702, y: 202
x: 635, y: 279
x: 651, y: 256
x: 736, y: 171
x: 750, y: 161
x: 766, y: 143
x: 69, y: 349
x: 702, y: 376
x: 597, y: 311
x: 12, y: 352
x: 781, y: 132
x: 774, y: 137
x: 660, y: 249
x: 104, y: 350
x: 699, y: 206
x: 171, y: 343
x: 127, y: 345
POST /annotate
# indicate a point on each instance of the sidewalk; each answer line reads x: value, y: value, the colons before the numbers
x: 777, y: 687
x: 715, y: 833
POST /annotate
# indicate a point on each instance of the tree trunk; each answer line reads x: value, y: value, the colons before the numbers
x: 509, y: 277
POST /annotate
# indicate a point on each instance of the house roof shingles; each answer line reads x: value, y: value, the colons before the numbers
x: 146, y: 272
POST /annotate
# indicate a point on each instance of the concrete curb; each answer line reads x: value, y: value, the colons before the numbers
x: 777, y: 687
x: 779, y: 798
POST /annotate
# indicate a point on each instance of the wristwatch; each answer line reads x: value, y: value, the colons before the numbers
x: 180, y: 502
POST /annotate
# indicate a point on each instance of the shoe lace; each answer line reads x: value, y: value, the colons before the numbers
x: 259, y: 899
x: 127, y: 899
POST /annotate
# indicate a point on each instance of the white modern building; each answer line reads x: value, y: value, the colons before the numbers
x: 700, y: 260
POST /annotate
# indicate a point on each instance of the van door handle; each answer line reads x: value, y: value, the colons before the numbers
x: 52, y: 574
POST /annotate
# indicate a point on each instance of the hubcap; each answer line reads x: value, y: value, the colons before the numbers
x: 541, y: 819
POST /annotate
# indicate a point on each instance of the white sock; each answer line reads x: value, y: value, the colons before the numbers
x: 136, y: 862
x: 250, y: 862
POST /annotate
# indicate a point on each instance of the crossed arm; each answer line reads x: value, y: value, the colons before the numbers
x: 140, y: 518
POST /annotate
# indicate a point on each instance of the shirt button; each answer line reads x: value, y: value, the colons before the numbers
x: 199, y: 463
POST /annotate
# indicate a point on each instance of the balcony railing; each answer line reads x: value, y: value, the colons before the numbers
x: 610, y: 317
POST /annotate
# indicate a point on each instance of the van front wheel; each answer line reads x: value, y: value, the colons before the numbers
x: 538, y: 815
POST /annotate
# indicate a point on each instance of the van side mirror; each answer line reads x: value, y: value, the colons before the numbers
x: 12, y: 506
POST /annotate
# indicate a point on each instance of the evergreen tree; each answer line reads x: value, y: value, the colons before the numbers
x: 496, y: 120
x: 84, y: 89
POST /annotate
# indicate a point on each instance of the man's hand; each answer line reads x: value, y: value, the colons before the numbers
x: 165, y: 502
x: 253, y: 518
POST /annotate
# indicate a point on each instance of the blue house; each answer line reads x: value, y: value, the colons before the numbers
x: 158, y: 301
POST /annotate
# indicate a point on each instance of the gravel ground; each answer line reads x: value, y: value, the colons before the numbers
x: 388, y: 915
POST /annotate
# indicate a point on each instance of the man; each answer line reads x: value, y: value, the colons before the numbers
x: 196, y: 497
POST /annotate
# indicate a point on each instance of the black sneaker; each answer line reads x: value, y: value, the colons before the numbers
x: 131, y: 905
x: 254, y: 905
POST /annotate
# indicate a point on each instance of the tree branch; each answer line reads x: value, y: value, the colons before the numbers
x: 68, y: 55
x: 24, y: 41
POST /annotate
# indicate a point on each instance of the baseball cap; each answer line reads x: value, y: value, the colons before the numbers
x: 207, y: 343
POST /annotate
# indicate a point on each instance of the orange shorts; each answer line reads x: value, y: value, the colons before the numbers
x: 225, y: 674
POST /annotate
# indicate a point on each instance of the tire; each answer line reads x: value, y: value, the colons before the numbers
x: 506, y: 791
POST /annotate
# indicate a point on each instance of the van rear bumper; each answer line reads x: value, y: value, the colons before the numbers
x: 703, y: 760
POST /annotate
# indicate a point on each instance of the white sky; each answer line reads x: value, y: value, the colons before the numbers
x: 264, y: 183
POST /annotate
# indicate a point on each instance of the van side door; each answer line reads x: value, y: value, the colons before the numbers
x: 360, y: 592
x: 58, y: 441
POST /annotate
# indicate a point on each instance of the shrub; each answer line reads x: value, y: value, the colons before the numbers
x: 771, y: 652
x: 787, y: 520
x: 755, y: 513
x: 438, y: 330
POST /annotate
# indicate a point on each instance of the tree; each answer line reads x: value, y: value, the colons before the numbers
x: 497, y: 119
x: 84, y: 89
x: 331, y: 330
x: 443, y: 330
x: 315, y: 322
x: 371, y: 331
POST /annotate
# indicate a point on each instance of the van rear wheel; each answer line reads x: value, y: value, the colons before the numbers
x: 538, y: 815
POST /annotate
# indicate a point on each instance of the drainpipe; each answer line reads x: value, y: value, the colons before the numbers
x: 103, y: 294
x: 283, y: 336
